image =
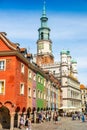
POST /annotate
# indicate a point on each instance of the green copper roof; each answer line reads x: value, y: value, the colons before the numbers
x: 73, y: 61
x: 63, y: 52
x: 67, y: 52
x: 44, y: 30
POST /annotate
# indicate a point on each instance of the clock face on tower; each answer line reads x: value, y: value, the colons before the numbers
x: 40, y: 46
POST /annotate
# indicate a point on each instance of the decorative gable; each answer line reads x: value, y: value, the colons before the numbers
x: 5, y: 44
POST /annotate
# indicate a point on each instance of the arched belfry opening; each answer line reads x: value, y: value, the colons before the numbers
x: 42, y: 36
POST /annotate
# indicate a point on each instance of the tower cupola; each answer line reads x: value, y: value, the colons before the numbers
x: 44, y: 31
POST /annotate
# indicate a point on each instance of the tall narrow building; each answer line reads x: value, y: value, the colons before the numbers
x: 44, y: 44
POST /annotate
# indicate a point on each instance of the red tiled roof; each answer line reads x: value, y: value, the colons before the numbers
x: 22, y: 49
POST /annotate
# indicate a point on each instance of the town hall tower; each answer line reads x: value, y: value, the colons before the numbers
x: 44, y: 44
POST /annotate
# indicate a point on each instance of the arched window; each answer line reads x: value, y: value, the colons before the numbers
x: 41, y: 35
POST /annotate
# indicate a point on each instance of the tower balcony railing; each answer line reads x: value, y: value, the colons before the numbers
x: 45, y: 53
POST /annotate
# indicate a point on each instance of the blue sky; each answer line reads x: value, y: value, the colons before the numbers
x: 67, y: 20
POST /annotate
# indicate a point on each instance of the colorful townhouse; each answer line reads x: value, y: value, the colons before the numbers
x: 83, y: 89
x: 13, y: 81
x: 29, y: 91
x: 24, y: 86
x: 34, y: 87
x: 39, y: 91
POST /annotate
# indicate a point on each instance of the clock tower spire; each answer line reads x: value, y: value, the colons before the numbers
x: 44, y: 44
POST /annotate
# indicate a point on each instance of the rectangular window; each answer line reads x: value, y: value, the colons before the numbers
x: 2, y: 87
x: 22, y: 89
x: 22, y: 68
x: 2, y: 64
x: 44, y: 96
x: 39, y: 79
x: 44, y: 82
x: 41, y: 95
x: 38, y: 93
x: 34, y: 77
x: 29, y: 74
x: 34, y: 93
x: 29, y: 92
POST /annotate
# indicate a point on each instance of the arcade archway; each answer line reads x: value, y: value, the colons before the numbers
x: 4, y: 117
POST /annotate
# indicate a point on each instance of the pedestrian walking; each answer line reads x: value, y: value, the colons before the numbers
x: 40, y: 117
x: 28, y: 124
x: 21, y: 122
x: 55, y: 117
x: 83, y: 118
x: 78, y: 115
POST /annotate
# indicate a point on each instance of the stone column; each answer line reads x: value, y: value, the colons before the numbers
x: 12, y: 121
x: 24, y: 116
x: 35, y: 116
x: 18, y: 123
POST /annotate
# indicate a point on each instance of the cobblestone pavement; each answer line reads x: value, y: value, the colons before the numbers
x: 64, y: 124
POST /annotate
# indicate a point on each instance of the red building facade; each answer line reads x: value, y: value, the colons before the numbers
x: 13, y: 81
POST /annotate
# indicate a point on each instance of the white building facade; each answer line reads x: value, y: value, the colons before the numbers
x: 66, y: 72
